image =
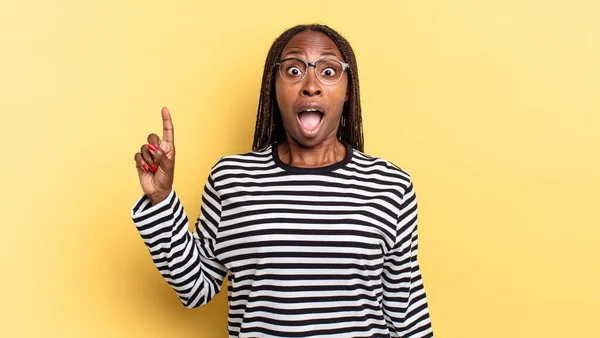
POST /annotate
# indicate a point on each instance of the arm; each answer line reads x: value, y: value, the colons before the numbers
x: 404, y: 300
x: 186, y: 260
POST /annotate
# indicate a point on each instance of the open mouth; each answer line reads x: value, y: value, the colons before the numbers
x: 310, y: 119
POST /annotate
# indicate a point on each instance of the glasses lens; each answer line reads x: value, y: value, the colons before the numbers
x: 292, y: 70
x: 329, y: 71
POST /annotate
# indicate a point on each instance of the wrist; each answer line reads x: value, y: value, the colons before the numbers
x: 158, y: 197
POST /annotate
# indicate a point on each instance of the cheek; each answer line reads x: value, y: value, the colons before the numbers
x: 346, y: 89
x: 340, y: 94
x: 282, y: 95
x: 278, y: 96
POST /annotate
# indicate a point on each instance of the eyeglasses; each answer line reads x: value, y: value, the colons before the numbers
x: 328, y: 71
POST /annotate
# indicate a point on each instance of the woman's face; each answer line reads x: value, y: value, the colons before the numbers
x: 311, y: 110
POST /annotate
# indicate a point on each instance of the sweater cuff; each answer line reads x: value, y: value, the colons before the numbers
x: 143, y: 208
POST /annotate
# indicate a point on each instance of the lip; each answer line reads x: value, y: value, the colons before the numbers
x: 310, y: 132
x: 310, y: 106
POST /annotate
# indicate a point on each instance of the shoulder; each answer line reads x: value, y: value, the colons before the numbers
x: 381, y: 168
x: 245, y: 161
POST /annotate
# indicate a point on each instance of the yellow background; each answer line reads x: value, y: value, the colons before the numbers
x: 492, y: 106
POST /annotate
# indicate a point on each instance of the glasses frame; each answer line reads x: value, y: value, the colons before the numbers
x: 314, y: 64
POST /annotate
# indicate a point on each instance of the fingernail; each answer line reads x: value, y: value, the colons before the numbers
x: 153, y: 167
x: 152, y: 147
x: 145, y: 167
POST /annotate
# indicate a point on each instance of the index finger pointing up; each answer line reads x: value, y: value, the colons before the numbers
x: 168, y: 134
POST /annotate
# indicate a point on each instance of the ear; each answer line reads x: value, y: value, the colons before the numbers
x: 347, y: 94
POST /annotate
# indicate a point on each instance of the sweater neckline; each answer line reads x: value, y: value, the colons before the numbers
x: 318, y: 170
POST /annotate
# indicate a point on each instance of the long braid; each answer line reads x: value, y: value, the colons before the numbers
x: 269, y: 127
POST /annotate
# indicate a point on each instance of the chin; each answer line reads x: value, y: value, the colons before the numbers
x: 309, y: 142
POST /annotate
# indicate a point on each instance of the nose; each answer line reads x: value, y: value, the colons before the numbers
x: 311, y: 86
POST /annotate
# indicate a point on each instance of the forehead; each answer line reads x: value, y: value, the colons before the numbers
x: 309, y: 43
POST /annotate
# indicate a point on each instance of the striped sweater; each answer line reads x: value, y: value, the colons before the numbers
x: 308, y: 252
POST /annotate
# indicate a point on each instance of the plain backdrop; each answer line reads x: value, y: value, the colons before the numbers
x: 491, y: 106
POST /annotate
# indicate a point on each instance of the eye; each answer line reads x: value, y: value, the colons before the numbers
x: 328, y: 72
x: 294, y: 71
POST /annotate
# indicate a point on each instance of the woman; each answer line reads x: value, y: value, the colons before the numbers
x: 317, y: 239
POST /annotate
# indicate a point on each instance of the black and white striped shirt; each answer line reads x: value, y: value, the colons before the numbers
x: 310, y: 252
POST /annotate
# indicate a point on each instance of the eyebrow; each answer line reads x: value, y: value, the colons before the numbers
x: 297, y: 52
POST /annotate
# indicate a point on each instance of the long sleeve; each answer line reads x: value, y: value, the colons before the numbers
x: 185, y: 259
x: 404, y: 300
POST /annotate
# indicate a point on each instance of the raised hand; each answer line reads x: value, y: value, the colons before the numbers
x: 156, y: 162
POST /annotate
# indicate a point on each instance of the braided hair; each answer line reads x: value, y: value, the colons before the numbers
x: 269, y: 126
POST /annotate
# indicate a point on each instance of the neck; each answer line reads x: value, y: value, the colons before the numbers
x: 326, y: 153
